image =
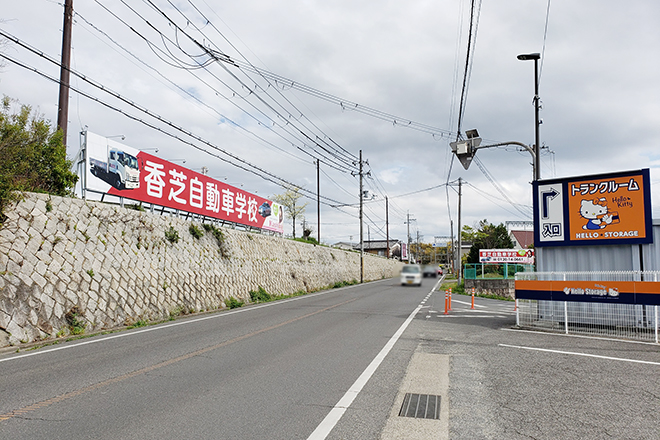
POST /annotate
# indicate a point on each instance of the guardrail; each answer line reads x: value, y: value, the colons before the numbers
x: 495, y: 271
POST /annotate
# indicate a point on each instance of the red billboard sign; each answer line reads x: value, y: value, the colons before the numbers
x: 514, y: 256
x: 122, y: 171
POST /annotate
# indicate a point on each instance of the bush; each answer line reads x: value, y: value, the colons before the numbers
x: 75, y: 321
x: 260, y: 295
x: 233, y: 303
x: 195, y: 231
x: 219, y: 238
x: 172, y: 235
x: 32, y: 156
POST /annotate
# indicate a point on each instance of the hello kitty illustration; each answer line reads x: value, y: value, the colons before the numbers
x: 596, y: 212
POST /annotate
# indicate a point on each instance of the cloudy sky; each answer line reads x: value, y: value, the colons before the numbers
x: 402, y: 60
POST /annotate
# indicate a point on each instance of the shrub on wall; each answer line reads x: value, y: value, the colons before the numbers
x: 32, y: 156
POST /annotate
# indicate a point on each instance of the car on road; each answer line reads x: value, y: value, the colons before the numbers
x: 411, y: 274
x: 440, y: 272
x: 429, y: 271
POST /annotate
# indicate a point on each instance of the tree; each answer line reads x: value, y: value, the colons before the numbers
x: 32, y: 155
x: 489, y: 236
x: 289, y: 200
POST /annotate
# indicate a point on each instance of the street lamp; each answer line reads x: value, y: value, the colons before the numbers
x: 537, y: 146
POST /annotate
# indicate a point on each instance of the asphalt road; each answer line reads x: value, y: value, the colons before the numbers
x: 334, y: 364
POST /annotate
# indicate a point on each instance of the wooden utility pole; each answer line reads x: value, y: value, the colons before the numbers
x: 387, y: 228
x: 460, y: 244
x: 63, y: 107
x: 318, y: 198
x: 361, y: 236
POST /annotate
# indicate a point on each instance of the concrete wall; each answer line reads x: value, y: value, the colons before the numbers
x: 115, y: 266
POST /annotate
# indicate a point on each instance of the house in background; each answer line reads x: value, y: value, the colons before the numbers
x: 521, y: 233
x: 522, y: 239
x: 345, y: 245
x: 377, y: 247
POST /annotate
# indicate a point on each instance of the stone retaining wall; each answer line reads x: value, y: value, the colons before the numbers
x: 505, y: 288
x: 110, y: 266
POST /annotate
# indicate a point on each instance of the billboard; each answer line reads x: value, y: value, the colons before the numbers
x: 514, y: 256
x: 119, y: 170
x: 602, y: 209
x: 613, y: 292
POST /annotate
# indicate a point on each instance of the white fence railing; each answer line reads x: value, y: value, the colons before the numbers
x: 625, y: 321
x: 612, y: 275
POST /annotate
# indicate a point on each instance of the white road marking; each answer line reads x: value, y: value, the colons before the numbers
x: 637, y: 361
x: 466, y: 303
x: 536, y: 332
x: 330, y: 421
x: 174, y: 324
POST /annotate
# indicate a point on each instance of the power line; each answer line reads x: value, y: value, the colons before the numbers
x: 247, y: 166
x: 164, y: 37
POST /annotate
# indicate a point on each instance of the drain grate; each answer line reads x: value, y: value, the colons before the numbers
x: 420, y: 406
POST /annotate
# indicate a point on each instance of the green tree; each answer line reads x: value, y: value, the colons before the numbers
x: 489, y: 236
x: 32, y: 155
x: 290, y: 201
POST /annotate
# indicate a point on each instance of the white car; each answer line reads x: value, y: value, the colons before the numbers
x: 411, y: 274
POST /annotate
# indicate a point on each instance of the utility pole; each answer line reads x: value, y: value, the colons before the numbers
x: 63, y: 107
x: 460, y: 243
x: 408, y: 220
x: 318, y: 200
x: 408, y: 236
x: 453, y: 248
x: 387, y: 228
x: 361, y: 235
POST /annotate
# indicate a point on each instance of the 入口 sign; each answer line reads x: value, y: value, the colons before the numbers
x: 601, y: 209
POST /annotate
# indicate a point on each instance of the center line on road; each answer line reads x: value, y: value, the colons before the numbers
x: 174, y: 324
x: 107, y: 382
x: 637, y: 361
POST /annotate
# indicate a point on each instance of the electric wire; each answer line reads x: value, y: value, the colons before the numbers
x: 187, y: 93
x: 257, y: 96
x: 244, y: 165
x: 213, y: 75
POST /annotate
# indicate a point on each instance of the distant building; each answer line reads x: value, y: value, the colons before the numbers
x: 344, y: 245
x: 377, y: 247
x: 522, y: 239
x: 521, y: 233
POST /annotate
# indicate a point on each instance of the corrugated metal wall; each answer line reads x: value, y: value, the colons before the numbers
x: 599, y: 258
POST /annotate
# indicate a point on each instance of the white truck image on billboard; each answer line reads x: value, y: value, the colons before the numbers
x: 120, y: 169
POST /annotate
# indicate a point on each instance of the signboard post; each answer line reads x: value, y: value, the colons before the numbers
x: 603, y: 209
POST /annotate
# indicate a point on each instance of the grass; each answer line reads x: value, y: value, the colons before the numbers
x: 219, y: 238
x: 172, y: 235
x: 339, y: 284
x: 195, y: 231
x: 233, y: 303
x: 75, y: 321
x: 260, y: 295
x: 139, y: 323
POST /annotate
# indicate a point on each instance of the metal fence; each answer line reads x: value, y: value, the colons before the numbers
x: 624, y: 321
x: 501, y: 271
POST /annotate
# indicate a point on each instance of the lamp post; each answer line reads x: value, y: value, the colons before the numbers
x: 537, y: 145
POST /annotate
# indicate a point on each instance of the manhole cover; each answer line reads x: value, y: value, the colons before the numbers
x: 420, y: 406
